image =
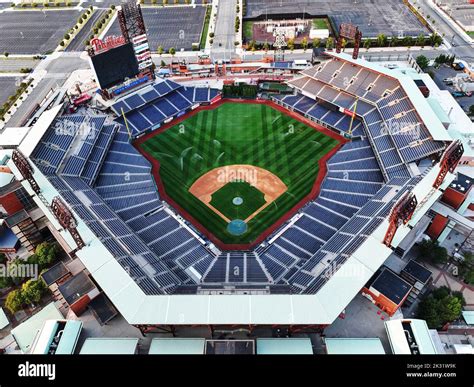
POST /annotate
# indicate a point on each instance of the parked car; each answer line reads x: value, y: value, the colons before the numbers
x: 458, y: 94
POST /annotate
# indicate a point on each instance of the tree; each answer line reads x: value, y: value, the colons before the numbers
x: 420, y: 40
x: 46, y: 254
x: 14, y: 301
x: 172, y: 51
x: 433, y: 252
x: 449, y: 309
x: 329, y: 43
x: 440, y: 307
x: 440, y: 59
x: 381, y: 40
x: 266, y: 46
x: 466, y: 269
x: 316, y: 42
x: 304, y: 43
x: 435, y: 39
x: 441, y: 292
x: 422, y: 61
x: 394, y: 41
x: 13, y: 264
x: 459, y: 295
x: 343, y: 43
x: 6, y: 282
x: 367, y: 44
x: 32, y: 291
x: 427, y: 310
x: 253, y: 45
x: 291, y: 44
x: 160, y: 50
x: 407, y: 41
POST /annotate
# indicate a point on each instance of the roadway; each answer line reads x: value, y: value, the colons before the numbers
x: 223, y: 47
x: 459, y: 46
x: 58, y: 71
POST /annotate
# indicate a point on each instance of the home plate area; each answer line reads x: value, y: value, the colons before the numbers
x: 237, y: 193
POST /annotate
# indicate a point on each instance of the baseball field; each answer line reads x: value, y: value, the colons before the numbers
x: 239, y: 168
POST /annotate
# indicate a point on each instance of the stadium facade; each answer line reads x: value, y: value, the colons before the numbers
x: 157, y: 269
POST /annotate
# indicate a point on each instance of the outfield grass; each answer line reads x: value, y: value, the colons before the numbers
x: 252, y: 198
x: 236, y: 133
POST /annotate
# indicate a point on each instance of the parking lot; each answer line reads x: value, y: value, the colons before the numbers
x: 177, y: 27
x: 8, y: 86
x: 389, y: 17
x: 447, y: 72
x: 34, y: 32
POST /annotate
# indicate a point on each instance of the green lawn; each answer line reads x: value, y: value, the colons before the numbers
x: 205, y: 29
x: 236, y: 133
x: 247, y: 29
x: 320, y: 24
x: 252, y: 200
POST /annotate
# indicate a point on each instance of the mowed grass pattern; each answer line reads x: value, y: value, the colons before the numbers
x: 237, y: 133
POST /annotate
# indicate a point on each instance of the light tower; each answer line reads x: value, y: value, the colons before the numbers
x: 133, y: 30
x: 280, y: 44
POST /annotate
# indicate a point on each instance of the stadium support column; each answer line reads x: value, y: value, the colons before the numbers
x: 351, y: 32
x: 25, y: 169
x: 400, y: 215
x: 66, y: 220
x: 449, y: 161
x: 357, y: 42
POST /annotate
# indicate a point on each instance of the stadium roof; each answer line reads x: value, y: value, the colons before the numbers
x: 109, y: 346
x: 296, y: 346
x: 37, y: 131
x: 359, y: 346
x: 165, y: 346
x: 423, y: 108
x: 438, y: 110
x: 25, y: 333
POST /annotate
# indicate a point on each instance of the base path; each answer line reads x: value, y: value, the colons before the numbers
x: 266, y: 182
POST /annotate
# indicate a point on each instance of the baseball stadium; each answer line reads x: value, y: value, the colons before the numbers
x: 187, y: 207
x: 190, y: 208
